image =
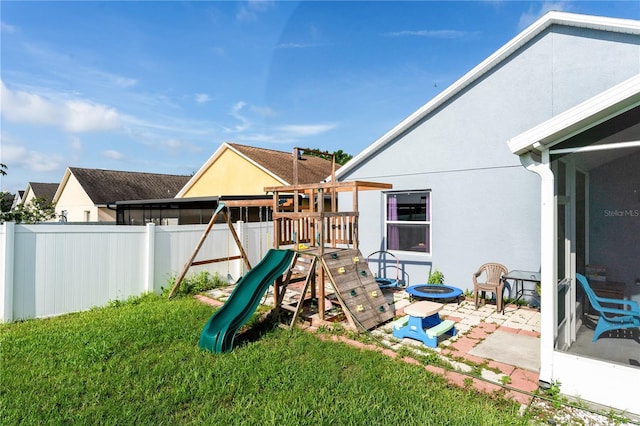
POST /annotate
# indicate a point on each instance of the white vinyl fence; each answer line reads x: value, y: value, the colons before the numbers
x: 52, y: 269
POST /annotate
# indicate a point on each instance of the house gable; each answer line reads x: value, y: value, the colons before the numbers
x: 228, y: 173
x: 236, y: 169
x: 575, y: 36
x: 39, y: 190
x: 73, y: 200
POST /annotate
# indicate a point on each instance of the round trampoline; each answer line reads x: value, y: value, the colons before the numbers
x: 434, y: 291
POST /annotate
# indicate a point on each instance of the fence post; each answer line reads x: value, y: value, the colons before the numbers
x: 6, y: 270
x: 150, y: 258
x: 241, y: 230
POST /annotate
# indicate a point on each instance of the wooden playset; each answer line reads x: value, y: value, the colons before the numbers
x: 306, y: 219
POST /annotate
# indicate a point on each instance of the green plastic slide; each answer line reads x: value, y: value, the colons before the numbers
x: 217, y: 335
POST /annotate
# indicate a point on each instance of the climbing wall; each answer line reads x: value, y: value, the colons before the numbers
x: 357, y: 288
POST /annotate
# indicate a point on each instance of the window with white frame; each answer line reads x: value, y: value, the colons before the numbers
x: 408, y: 221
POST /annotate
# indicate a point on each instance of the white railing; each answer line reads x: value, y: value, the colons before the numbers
x: 52, y: 269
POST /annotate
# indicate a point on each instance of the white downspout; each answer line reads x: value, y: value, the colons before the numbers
x: 548, y: 258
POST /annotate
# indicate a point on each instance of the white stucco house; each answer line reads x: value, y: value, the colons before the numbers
x: 532, y: 160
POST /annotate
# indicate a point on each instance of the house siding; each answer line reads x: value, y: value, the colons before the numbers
x: 485, y: 205
x: 28, y: 196
x: 231, y: 174
x: 75, y: 201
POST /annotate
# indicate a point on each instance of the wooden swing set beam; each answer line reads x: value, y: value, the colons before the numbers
x: 221, y: 259
x: 222, y: 208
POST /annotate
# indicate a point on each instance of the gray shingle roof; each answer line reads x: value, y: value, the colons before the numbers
x: 44, y: 190
x: 108, y: 186
x: 310, y: 169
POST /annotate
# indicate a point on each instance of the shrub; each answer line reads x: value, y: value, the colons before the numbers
x: 194, y: 284
x: 436, y: 277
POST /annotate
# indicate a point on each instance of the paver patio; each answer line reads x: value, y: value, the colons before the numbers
x: 473, y: 327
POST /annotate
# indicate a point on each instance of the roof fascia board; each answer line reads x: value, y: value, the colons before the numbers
x: 552, y: 18
x: 27, y: 191
x: 63, y: 183
x: 593, y: 148
x: 590, y: 113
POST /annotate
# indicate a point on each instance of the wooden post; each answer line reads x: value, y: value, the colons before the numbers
x: 295, y: 180
x: 237, y: 240
x: 187, y: 265
x: 320, y: 281
x: 355, y: 211
x: 276, y: 242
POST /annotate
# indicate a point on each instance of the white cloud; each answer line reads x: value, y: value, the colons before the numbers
x: 113, y: 154
x: 536, y: 10
x: 26, y: 107
x: 249, y: 11
x: 293, y: 45
x: 76, y: 144
x: 147, y: 128
x: 263, y: 137
x: 218, y: 50
x: 75, y: 116
x: 80, y: 116
x: 202, y: 98
x: 450, y: 34
x: 72, y: 70
x: 123, y: 82
x: 235, y: 112
x: 19, y: 156
x: 7, y: 28
x: 264, y: 111
x: 307, y: 129
x: 179, y: 145
x: 287, y: 134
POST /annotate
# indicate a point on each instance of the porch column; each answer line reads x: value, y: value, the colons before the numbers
x: 548, y: 257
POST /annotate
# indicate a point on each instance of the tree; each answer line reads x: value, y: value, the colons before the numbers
x: 36, y: 211
x: 340, y: 156
x: 6, y: 201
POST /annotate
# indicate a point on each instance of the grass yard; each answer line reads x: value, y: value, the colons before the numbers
x: 139, y: 363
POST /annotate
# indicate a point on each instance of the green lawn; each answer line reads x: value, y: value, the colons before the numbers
x: 139, y: 363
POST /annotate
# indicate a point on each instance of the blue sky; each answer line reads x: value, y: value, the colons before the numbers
x: 158, y: 86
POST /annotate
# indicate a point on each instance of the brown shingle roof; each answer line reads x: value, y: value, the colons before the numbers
x: 310, y: 169
x: 108, y: 186
x: 44, y: 190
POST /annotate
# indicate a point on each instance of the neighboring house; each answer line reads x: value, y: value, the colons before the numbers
x: 17, y: 199
x: 38, y: 190
x: 89, y: 195
x: 236, y: 169
x: 564, y: 95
